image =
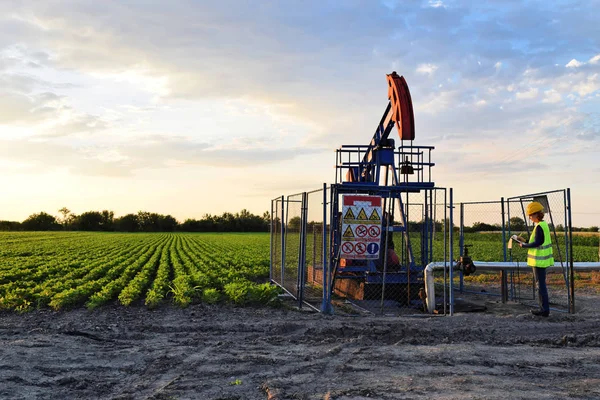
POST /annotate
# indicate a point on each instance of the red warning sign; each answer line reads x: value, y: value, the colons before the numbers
x: 374, y: 231
x: 347, y: 247
x: 360, y: 248
x: 361, y: 231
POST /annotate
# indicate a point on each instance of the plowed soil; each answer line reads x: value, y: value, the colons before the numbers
x: 223, y: 352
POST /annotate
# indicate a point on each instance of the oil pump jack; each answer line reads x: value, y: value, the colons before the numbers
x: 366, y: 170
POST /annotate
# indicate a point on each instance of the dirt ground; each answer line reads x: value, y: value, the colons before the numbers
x: 222, y: 352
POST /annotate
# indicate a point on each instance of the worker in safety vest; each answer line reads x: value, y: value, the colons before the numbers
x: 539, y: 254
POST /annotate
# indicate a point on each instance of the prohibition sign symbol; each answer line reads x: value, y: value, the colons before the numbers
x: 360, y: 248
x: 374, y: 231
x: 361, y: 231
x: 347, y: 247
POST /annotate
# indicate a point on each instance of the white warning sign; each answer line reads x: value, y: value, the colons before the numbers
x: 361, y: 227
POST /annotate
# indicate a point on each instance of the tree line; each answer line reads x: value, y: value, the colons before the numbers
x: 244, y: 221
x: 143, y: 221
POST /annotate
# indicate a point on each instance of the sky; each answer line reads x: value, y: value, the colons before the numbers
x: 195, y: 107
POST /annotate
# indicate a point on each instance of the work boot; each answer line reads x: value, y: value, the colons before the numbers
x: 540, y: 313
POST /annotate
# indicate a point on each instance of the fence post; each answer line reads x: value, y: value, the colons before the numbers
x: 451, y: 254
x: 503, y: 277
x: 271, y: 245
x: 461, y: 243
x: 326, y: 303
x: 571, y: 267
x: 283, y: 232
x: 302, y: 251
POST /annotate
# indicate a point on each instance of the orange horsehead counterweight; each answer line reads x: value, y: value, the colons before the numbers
x: 401, y: 104
x: 399, y: 112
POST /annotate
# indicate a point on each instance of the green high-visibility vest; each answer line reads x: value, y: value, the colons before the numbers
x: 541, y: 257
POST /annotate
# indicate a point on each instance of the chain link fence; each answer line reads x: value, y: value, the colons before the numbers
x: 277, y: 219
x: 306, y: 264
x: 299, y: 245
x: 522, y: 286
x: 292, y: 243
x: 416, y: 230
x: 485, y: 231
x: 317, y: 245
x: 414, y: 233
x: 482, y: 238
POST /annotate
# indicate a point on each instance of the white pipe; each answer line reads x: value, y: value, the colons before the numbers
x: 492, y: 266
x: 429, y: 284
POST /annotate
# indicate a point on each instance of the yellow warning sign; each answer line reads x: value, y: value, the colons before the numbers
x: 349, y: 214
x: 362, y: 215
x: 374, y: 215
x: 348, y: 233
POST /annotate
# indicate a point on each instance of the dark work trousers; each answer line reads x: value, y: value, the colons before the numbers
x: 540, y: 277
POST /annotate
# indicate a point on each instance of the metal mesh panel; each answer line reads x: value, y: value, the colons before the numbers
x: 522, y: 286
x: 276, y: 239
x: 416, y: 235
x: 482, y: 225
x: 441, y: 247
x: 293, y: 216
x: 317, y: 243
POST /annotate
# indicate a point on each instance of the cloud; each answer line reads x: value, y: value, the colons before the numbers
x: 426, y: 69
x: 529, y: 94
x: 574, y: 64
x: 150, y: 152
x: 551, y: 96
x: 20, y: 108
x: 436, y: 3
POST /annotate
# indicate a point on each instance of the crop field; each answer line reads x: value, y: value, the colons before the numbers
x: 67, y: 269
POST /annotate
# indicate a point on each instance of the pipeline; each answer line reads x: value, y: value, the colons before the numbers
x: 492, y: 266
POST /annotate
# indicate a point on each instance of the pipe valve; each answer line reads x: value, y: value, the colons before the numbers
x: 465, y: 263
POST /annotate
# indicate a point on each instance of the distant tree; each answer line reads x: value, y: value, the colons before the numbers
x: 108, y: 220
x: 10, y: 226
x: 483, y: 227
x: 208, y: 223
x: 64, y: 219
x: 148, y: 222
x: 41, y: 222
x: 294, y: 224
x: 127, y: 223
x: 190, y: 225
x: 517, y: 224
x: 89, y: 221
x: 228, y: 222
x: 248, y: 222
x: 167, y: 223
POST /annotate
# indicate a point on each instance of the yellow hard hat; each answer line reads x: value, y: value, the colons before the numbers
x: 534, y: 207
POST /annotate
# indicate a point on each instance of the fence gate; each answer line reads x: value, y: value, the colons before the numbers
x: 299, y: 237
x: 485, y: 231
